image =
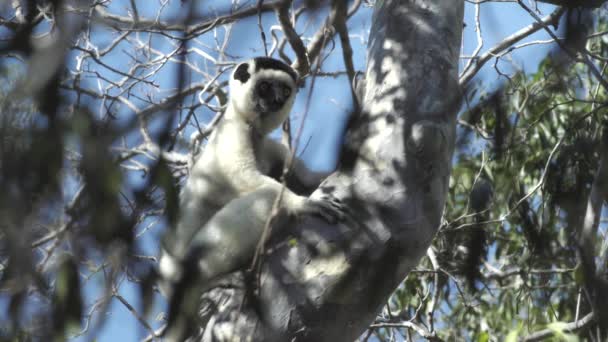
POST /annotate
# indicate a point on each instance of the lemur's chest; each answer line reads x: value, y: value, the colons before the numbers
x: 236, y: 149
x: 262, y: 160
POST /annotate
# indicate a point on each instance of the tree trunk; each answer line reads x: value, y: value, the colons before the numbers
x: 322, y: 282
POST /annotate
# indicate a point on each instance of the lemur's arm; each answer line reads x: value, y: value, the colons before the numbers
x: 300, y: 178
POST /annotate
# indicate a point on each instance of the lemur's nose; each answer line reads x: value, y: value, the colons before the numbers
x: 278, y: 97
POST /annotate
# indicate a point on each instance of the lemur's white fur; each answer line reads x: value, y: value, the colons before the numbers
x: 231, y: 173
x: 228, y: 196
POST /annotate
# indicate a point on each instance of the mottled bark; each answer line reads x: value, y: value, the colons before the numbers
x: 322, y: 282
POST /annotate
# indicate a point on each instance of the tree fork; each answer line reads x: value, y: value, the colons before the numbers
x: 322, y: 282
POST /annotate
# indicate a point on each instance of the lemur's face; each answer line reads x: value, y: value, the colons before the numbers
x: 262, y: 92
x: 270, y: 95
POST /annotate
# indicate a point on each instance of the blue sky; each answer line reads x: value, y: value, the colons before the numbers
x: 325, y: 117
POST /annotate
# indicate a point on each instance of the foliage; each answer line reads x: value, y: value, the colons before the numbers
x: 533, y: 147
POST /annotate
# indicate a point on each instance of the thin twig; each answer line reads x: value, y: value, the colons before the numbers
x: 339, y: 7
x: 508, y: 42
x: 260, y: 27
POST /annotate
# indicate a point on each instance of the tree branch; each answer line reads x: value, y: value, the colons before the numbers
x: 551, y: 19
x: 293, y: 38
x: 572, y: 54
x: 319, y: 40
x: 568, y: 328
x: 156, y: 25
x: 595, y: 285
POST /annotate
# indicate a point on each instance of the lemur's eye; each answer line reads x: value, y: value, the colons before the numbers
x: 264, y: 86
x: 286, y: 91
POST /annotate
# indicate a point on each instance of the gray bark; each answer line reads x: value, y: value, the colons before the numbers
x: 322, y: 282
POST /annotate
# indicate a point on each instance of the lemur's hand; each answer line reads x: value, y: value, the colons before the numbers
x: 330, y: 209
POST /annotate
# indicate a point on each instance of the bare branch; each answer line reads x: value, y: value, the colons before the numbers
x: 347, y: 52
x: 302, y: 62
x: 409, y: 325
x: 156, y: 25
x: 551, y: 19
x: 136, y: 314
x: 584, y: 58
x: 325, y: 32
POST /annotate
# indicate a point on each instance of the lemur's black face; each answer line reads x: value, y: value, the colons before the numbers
x: 270, y: 95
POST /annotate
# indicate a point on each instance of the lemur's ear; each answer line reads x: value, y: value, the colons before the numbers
x: 241, y: 73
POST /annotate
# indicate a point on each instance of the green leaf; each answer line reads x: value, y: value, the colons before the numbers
x: 293, y: 242
x: 163, y: 178
x: 579, y: 274
x: 512, y: 336
x: 67, y: 303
